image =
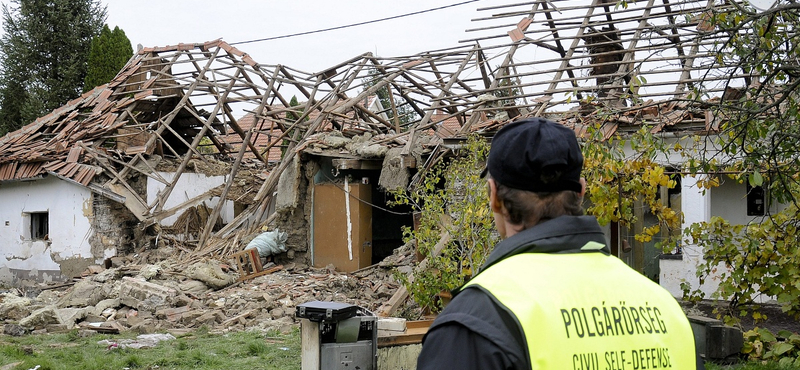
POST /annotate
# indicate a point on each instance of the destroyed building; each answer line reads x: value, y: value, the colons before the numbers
x: 196, y: 148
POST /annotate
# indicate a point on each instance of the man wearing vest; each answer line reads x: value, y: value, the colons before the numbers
x: 550, y: 296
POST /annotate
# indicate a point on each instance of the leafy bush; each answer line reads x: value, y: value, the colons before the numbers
x: 750, y: 262
x: 761, y: 345
x: 450, y: 199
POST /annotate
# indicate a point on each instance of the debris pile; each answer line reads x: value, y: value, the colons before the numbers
x: 166, y: 296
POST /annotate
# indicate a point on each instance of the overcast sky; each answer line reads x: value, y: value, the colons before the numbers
x: 169, y: 22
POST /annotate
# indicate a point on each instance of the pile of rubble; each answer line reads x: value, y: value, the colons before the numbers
x: 168, y: 297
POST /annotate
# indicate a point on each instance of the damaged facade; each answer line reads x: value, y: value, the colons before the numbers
x: 197, y: 147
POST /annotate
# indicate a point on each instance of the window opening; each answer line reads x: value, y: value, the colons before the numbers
x: 40, y: 225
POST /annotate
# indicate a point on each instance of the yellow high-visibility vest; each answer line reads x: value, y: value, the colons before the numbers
x: 590, y: 311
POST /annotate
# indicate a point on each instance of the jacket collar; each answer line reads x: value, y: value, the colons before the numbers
x: 565, y: 234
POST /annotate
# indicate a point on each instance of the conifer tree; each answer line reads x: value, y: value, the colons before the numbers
x: 110, y: 51
x: 43, y: 55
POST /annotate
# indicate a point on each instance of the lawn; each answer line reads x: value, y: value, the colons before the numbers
x: 198, y: 350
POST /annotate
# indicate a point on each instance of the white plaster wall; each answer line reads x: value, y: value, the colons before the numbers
x: 189, y: 185
x: 69, y: 207
x: 696, y: 206
x: 729, y: 200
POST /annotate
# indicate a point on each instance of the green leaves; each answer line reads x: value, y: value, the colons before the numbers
x: 751, y: 261
x: 755, y: 179
x: 757, y: 144
x: 454, y: 201
x: 761, y: 344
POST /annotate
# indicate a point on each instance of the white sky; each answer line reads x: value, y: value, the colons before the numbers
x: 169, y: 22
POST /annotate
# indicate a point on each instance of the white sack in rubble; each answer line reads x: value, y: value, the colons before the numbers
x: 269, y: 243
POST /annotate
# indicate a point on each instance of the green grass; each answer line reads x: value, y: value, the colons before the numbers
x: 199, y: 350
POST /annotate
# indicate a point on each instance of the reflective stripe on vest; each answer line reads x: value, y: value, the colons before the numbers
x: 590, y: 311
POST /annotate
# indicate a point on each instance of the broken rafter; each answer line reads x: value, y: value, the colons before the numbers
x: 162, y: 198
x: 213, y: 219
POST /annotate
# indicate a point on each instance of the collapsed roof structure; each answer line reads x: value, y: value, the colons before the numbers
x: 211, y: 102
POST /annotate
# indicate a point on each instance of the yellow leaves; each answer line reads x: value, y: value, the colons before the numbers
x: 654, y: 176
x: 479, y: 212
x: 708, y: 182
x: 647, y: 233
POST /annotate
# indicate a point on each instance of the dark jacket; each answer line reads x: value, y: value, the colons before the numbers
x: 474, y: 332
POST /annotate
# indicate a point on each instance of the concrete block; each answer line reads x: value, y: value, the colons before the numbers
x: 104, y: 304
x: 392, y: 324
x: 136, y: 293
x: 94, y: 318
x: 399, y: 357
x: 714, y: 340
x: 723, y: 341
x: 57, y: 328
x: 84, y: 293
x: 134, y: 320
x: 69, y: 316
x: 189, y: 317
x: 210, y: 318
x: 171, y: 314
x: 145, y: 327
x: 14, y: 330
x: 14, y: 307
x: 288, y: 186
x: 153, y: 303
x: 40, y: 318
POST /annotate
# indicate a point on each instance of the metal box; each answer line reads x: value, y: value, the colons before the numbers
x: 325, y: 311
x: 348, y: 356
x: 337, y: 336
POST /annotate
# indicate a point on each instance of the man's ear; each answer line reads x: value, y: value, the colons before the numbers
x: 583, y: 186
x: 494, y: 203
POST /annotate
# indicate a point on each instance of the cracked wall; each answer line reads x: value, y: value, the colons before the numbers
x: 115, y: 230
x: 293, y: 206
x: 66, y: 247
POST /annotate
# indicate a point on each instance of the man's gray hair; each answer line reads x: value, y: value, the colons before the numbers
x: 528, y: 208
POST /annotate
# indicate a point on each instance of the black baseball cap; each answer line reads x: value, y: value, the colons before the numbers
x: 536, y: 154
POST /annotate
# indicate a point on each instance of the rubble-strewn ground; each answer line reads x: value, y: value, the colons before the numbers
x: 164, y: 296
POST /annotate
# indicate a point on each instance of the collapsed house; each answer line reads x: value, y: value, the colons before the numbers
x: 199, y: 148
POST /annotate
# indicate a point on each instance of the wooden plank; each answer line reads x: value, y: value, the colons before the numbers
x: 309, y: 345
x: 415, y: 330
x: 224, y: 195
x: 262, y: 273
x: 188, y: 203
x: 236, y: 318
x: 418, y: 324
